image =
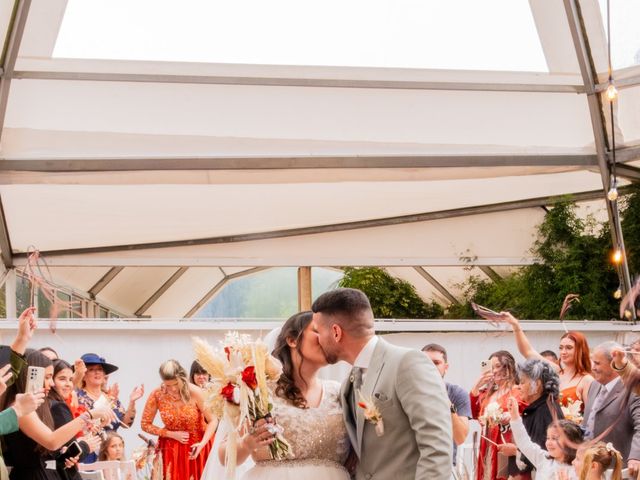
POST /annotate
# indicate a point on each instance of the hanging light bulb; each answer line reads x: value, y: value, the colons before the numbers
x: 612, y: 194
x: 617, y: 256
x: 617, y: 294
x: 612, y: 92
x: 628, y: 314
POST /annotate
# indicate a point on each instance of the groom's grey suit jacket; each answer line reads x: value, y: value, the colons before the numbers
x: 412, y: 399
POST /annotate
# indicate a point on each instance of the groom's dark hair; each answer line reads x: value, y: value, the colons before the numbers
x: 351, y: 308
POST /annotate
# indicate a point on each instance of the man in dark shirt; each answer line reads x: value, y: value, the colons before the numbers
x: 459, y: 397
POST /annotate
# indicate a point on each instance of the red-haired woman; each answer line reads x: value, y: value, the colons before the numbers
x: 575, y: 363
x: 489, y: 404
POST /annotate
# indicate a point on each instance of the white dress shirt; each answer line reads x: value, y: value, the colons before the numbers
x: 363, y: 360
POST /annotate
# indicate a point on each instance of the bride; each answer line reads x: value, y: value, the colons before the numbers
x: 307, y: 408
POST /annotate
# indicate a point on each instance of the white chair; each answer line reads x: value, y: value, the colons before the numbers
x: 128, y: 470
x: 625, y: 474
x: 466, y: 457
x: 108, y: 470
x: 91, y: 476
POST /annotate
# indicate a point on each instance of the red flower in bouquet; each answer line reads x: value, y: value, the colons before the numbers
x: 228, y: 392
x: 249, y: 377
x: 240, y: 392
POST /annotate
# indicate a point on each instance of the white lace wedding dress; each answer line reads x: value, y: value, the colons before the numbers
x: 317, y: 435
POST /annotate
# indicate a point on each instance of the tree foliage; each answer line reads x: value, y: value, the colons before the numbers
x: 631, y: 228
x: 574, y: 258
x: 390, y: 297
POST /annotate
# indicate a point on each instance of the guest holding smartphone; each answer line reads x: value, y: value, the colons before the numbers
x: 489, y: 404
x: 33, y: 444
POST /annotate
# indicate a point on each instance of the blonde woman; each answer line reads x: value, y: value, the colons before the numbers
x: 186, y: 434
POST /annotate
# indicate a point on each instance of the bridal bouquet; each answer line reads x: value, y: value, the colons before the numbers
x: 238, y: 394
x: 493, y: 414
x: 573, y: 411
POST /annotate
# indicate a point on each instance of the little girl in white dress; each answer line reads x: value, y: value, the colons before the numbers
x: 555, y: 462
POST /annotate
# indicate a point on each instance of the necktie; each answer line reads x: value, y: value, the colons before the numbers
x: 597, y: 403
x: 356, y: 383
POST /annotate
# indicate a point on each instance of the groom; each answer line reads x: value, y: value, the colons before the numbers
x: 403, y: 384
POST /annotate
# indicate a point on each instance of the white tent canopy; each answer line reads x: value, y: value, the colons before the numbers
x: 148, y: 184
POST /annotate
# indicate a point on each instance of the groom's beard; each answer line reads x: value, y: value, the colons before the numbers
x: 331, y: 357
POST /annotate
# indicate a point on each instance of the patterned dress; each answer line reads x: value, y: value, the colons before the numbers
x: 85, y: 403
x: 177, y: 416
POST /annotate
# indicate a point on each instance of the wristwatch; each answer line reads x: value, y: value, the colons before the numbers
x: 453, y: 408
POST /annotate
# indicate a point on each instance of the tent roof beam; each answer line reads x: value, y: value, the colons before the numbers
x: 293, y: 162
x: 295, y: 82
x: 338, y: 227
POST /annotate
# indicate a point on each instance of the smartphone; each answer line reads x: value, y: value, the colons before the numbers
x: 73, y: 450
x: 485, y: 366
x: 35, y: 379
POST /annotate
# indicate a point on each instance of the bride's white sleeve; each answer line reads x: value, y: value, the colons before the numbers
x: 214, y: 470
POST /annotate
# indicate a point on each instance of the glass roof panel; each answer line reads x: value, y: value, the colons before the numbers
x: 434, y: 34
x: 625, y: 34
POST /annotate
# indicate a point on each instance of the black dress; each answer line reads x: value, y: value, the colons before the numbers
x: 27, y: 460
x: 61, y: 416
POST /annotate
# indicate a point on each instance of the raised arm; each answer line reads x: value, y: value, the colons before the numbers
x: 624, y: 368
x: 26, y: 326
x: 529, y: 449
x: 424, y: 400
x: 130, y: 413
x: 524, y: 346
x: 34, y: 428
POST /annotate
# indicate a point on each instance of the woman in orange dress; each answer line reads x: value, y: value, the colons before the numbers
x: 575, y: 363
x: 489, y: 404
x: 185, y: 434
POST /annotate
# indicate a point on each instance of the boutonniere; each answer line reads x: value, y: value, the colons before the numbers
x: 371, y: 413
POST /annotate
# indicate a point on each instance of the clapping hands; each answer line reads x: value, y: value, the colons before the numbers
x: 136, y: 393
x: 114, y: 391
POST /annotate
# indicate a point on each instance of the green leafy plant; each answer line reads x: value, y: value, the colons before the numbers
x: 573, y: 258
x: 390, y: 297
